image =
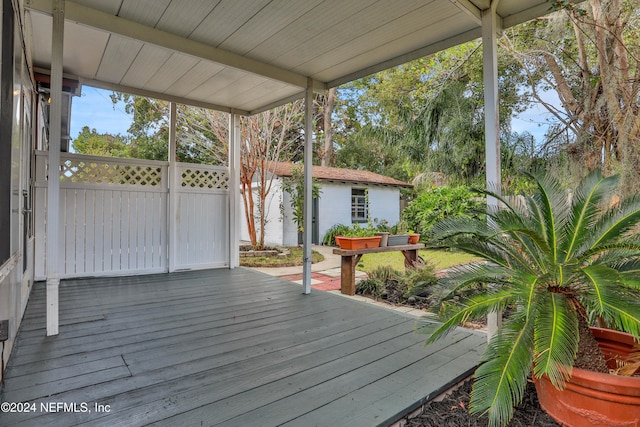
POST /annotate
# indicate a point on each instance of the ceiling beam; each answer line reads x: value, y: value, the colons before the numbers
x: 162, y: 96
x: 126, y: 28
x: 470, y: 9
x: 410, y: 56
x: 278, y: 103
x: 542, y: 9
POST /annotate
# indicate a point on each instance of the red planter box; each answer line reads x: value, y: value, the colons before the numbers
x: 358, y: 242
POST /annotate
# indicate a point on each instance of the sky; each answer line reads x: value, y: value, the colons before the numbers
x: 95, y: 109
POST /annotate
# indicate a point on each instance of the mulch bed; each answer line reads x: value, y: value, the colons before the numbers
x: 453, y: 412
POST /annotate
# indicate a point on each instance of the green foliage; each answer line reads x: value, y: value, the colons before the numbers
x: 428, y: 115
x: 356, y: 230
x: 419, y: 279
x: 399, y: 285
x: 329, y: 238
x: 294, y: 185
x: 384, y: 272
x: 438, y: 203
x: 560, y: 260
x: 149, y: 129
x: 90, y: 142
x: 370, y: 286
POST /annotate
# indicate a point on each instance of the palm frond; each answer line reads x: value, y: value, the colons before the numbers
x: 599, y: 280
x: 556, y: 338
x: 629, y: 271
x: 448, y: 228
x: 462, y: 276
x: 552, y: 208
x: 621, y: 309
x: 615, y: 223
x: 453, y: 314
x: 501, y: 378
x: 586, y: 209
x: 553, y: 258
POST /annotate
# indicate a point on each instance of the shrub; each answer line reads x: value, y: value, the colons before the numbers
x: 329, y: 238
x: 438, y: 203
x: 419, y: 279
x: 355, y: 230
x: 383, y: 273
x: 370, y: 286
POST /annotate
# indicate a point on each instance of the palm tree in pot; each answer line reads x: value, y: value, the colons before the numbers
x: 556, y: 262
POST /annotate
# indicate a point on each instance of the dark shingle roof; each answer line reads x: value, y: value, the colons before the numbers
x: 355, y: 176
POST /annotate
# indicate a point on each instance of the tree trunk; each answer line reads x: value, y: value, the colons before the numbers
x: 589, y: 355
x: 329, y: 104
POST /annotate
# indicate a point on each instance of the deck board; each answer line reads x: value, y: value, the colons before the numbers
x: 225, y: 347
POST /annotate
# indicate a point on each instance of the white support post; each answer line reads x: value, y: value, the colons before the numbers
x: 234, y: 190
x: 173, y: 183
x: 53, y: 178
x: 491, y: 122
x: 308, y: 195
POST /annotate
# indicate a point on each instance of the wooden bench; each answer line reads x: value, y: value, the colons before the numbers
x: 350, y: 258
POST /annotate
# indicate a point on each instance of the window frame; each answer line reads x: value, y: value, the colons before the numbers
x: 359, y: 205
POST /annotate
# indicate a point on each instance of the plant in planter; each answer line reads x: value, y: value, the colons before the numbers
x: 383, y: 230
x: 558, y: 262
x: 399, y: 235
x: 358, y: 237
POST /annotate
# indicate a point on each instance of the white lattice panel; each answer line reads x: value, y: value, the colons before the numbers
x: 110, y: 173
x: 204, y: 179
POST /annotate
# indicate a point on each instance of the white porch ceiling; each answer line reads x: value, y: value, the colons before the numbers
x: 250, y: 55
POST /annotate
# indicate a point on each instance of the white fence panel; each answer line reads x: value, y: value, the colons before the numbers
x: 202, y: 216
x: 113, y: 216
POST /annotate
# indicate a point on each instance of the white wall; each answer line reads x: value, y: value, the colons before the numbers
x: 274, y: 227
x: 335, y: 204
x: 384, y: 203
x: 289, y: 226
x: 334, y: 207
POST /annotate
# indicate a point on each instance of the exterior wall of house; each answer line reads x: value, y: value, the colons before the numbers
x: 277, y: 231
x: 334, y: 207
x: 289, y: 226
x: 384, y: 204
x: 16, y: 141
x: 335, y: 204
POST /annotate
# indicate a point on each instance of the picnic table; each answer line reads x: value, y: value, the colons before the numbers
x: 350, y: 258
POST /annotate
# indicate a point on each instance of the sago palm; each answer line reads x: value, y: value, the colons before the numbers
x: 554, y: 261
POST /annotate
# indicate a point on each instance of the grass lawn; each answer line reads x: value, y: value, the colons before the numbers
x: 294, y: 258
x: 440, y: 259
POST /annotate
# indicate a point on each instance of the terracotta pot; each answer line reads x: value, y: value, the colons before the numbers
x: 413, y: 238
x: 358, y: 242
x: 592, y: 398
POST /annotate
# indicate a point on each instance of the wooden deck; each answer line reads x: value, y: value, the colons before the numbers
x: 223, y: 347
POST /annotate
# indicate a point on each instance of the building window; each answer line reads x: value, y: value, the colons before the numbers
x: 359, y: 207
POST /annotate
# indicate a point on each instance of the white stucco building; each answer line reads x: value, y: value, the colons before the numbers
x: 347, y: 196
